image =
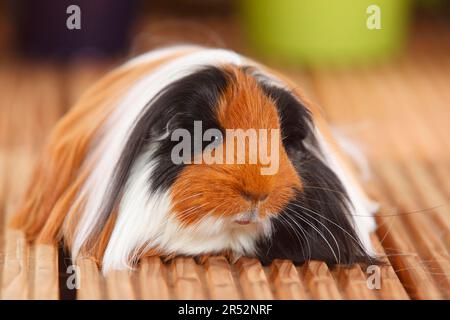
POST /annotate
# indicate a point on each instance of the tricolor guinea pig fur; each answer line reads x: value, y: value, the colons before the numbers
x: 107, y: 185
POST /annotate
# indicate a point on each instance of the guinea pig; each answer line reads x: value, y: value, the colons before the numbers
x: 141, y: 165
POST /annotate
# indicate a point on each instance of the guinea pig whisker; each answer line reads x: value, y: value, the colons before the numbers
x: 190, y: 197
x: 213, y: 210
x: 288, y: 223
x: 217, y: 207
x: 325, y: 189
x: 318, y: 232
x: 384, y: 215
x: 198, y: 223
x: 389, y: 228
x: 207, y: 215
x: 331, y: 221
x: 329, y: 231
x: 189, y: 211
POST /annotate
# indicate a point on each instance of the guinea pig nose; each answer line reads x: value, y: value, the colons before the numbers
x: 254, y: 197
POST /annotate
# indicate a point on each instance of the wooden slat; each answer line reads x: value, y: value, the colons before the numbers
x: 153, y: 279
x: 320, y: 282
x: 415, y: 279
x: 120, y: 285
x: 286, y: 280
x: 220, y: 279
x: 2, y: 208
x: 91, y: 282
x: 355, y: 95
x: 186, y: 279
x: 354, y: 284
x: 15, y: 283
x: 391, y: 288
x: 424, y: 238
x: 46, y: 272
x: 398, y: 113
x: 431, y: 196
x: 253, y: 280
x: 407, y: 266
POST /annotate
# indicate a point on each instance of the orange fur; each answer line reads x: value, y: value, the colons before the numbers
x: 218, y: 188
x: 59, y: 172
x: 99, y: 247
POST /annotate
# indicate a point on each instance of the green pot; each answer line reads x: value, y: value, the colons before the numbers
x: 326, y: 31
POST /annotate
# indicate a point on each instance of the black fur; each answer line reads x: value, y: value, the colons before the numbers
x: 297, y: 231
x: 316, y: 224
x: 194, y: 97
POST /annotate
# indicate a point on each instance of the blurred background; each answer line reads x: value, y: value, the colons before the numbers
x: 379, y: 70
x: 299, y: 36
x: 298, y: 32
x: 373, y: 66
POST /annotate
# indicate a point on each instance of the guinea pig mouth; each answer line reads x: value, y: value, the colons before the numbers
x: 242, y: 222
x: 246, y: 217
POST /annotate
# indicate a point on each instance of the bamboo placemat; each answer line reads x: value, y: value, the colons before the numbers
x: 398, y: 113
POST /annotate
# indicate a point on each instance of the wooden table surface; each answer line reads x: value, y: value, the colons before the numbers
x: 397, y: 112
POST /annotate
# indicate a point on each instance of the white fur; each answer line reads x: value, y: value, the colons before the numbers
x: 158, y: 54
x: 109, y: 144
x: 143, y: 219
x: 362, y: 209
x: 353, y: 150
x: 144, y: 222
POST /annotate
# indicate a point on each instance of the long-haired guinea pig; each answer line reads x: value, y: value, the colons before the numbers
x: 141, y: 165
